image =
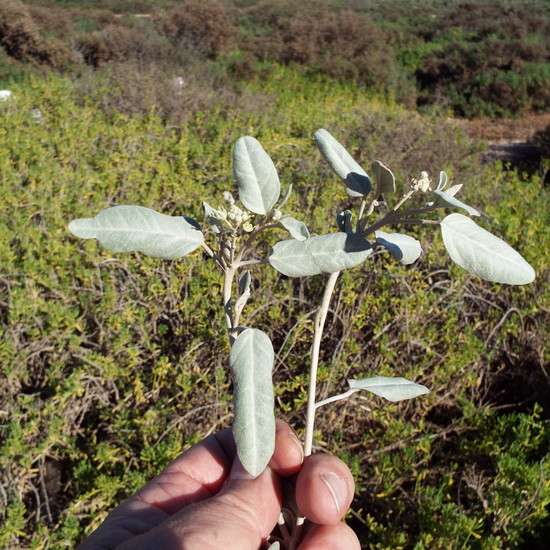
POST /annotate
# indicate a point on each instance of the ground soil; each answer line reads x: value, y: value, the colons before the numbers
x: 508, y: 139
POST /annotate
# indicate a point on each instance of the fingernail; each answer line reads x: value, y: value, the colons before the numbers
x: 298, y: 443
x: 337, y: 489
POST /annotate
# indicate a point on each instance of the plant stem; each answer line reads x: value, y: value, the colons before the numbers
x: 416, y: 221
x: 228, y: 276
x: 316, y: 346
x: 213, y: 255
x: 395, y: 217
x: 403, y: 199
x: 361, y: 210
x: 336, y: 398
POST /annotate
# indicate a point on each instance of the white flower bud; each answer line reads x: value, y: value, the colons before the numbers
x: 234, y: 209
x: 423, y: 184
x: 277, y: 214
x: 227, y: 196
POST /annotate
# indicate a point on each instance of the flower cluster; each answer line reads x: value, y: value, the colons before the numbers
x: 422, y: 184
x: 233, y: 216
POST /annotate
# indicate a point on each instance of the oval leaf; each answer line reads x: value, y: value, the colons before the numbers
x: 392, y: 389
x: 297, y: 229
x: 444, y: 198
x: 251, y: 361
x: 442, y: 181
x: 320, y: 254
x: 338, y: 251
x: 403, y: 248
x: 385, y: 180
x: 129, y: 228
x: 357, y: 181
x: 256, y: 176
x: 482, y: 253
x: 291, y: 258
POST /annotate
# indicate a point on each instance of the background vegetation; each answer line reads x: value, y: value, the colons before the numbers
x: 471, y: 58
x: 111, y: 365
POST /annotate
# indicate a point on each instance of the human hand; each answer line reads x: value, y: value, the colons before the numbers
x: 205, y: 500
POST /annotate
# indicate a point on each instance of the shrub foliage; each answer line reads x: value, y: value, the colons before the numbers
x: 474, y: 58
x: 110, y: 367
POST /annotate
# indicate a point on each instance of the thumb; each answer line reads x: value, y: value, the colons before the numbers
x: 239, y: 517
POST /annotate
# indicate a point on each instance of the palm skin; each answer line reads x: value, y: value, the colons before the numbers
x: 204, y: 500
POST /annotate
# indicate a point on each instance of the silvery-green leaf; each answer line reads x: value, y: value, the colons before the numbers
x: 392, y: 389
x: 403, y: 248
x: 357, y: 181
x: 443, y: 198
x: 275, y: 546
x: 290, y: 257
x: 320, y: 254
x: 285, y: 197
x: 343, y: 221
x: 385, y: 180
x: 256, y: 176
x: 442, y: 181
x: 244, y: 282
x: 338, y: 251
x: 482, y: 253
x: 297, y: 229
x: 129, y: 228
x: 251, y: 361
x: 454, y: 189
x: 211, y: 217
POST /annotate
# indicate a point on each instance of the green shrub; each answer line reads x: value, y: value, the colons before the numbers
x: 202, y: 26
x: 104, y: 372
x: 475, y: 58
x: 21, y: 39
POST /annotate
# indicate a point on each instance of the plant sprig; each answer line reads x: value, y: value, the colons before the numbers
x: 235, y: 230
